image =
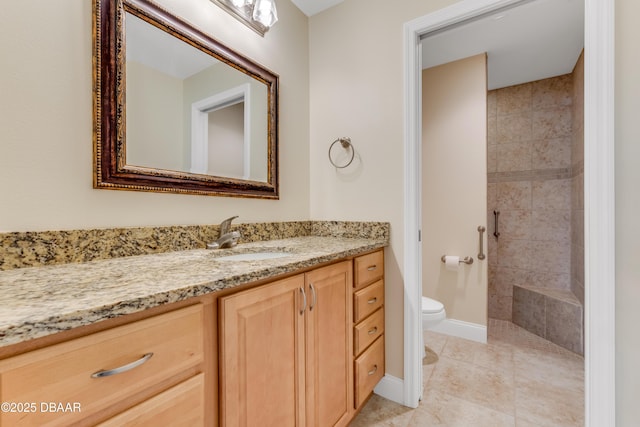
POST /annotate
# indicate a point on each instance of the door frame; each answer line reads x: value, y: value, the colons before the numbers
x: 599, y: 306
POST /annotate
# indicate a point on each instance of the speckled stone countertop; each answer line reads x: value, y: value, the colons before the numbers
x: 40, y: 301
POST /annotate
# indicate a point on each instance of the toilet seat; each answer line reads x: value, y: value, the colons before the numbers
x: 430, y: 306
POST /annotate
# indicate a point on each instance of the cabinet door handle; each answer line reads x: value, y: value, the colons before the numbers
x: 373, y: 371
x: 373, y: 300
x: 372, y: 267
x: 304, y: 300
x: 109, y: 372
x: 373, y: 330
x: 314, y: 296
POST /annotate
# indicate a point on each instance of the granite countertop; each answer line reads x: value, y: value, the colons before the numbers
x: 40, y: 301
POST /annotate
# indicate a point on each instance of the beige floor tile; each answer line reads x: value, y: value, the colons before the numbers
x: 516, y: 379
x: 477, y: 384
x: 497, y: 356
x: 438, y: 409
x: 380, y: 412
x: 559, y: 371
x: 547, y: 406
x: 435, y: 341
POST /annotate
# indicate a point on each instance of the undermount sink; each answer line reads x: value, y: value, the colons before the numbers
x: 254, y: 256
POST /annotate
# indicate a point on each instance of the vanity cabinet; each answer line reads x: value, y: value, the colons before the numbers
x: 368, y: 324
x: 286, y: 351
x: 156, y: 363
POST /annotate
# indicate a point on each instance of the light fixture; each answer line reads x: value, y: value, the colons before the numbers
x: 259, y: 15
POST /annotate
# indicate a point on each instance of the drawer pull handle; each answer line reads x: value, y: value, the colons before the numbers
x: 372, y: 267
x: 373, y: 300
x: 109, y: 372
x: 373, y: 371
x: 373, y: 330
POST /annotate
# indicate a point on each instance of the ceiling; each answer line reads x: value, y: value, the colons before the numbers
x: 535, y: 40
x: 311, y: 7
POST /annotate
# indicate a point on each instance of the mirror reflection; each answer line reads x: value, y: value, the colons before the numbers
x: 189, y: 112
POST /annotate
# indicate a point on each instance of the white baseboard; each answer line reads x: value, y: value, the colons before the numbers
x: 461, y: 329
x: 391, y: 388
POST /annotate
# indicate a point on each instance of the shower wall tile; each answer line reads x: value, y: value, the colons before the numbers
x: 492, y: 253
x: 492, y: 130
x: 577, y: 184
x: 529, y: 310
x: 549, y: 279
x: 515, y: 224
x: 492, y: 159
x: 554, y: 92
x: 552, y: 314
x: 577, y: 227
x: 550, y: 256
x: 506, y: 278
x: 500, y: 307
x: 551, y: 194
x: 578, y: 290
x: 551, y: 153
x: 514, y: 195
x: 492, y: 199
x: 491, y: 104
x: 552, y: 224
x: 552, y: 123
x: 513, y: 99
x: 563, y: 321
x: 513, y: 128
x: 535, y: 172
x: 577, y: 266
x: 513, y: 157
x: 514, y: 253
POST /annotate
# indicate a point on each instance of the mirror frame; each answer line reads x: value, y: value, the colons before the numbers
x: 109, y: 63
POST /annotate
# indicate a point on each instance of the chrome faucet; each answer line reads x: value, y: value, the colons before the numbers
x: 226, y: 238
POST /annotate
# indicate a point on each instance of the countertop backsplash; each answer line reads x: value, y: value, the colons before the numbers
x: 43, y: 248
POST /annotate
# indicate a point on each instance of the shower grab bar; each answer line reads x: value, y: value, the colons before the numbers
x: 496, y: 215
x: 481, y: 254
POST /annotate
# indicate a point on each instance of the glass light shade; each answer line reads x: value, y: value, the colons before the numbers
x: 265, y: 12
x: 241, y: 3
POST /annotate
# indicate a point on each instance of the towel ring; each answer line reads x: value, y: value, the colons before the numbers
x: 346, y: 144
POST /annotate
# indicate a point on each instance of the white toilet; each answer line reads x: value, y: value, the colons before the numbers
x: 433, y: 312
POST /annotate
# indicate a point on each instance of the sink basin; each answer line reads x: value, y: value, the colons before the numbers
x: 254, y: 256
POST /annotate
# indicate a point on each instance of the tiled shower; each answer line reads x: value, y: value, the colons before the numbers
x: 535, y: 197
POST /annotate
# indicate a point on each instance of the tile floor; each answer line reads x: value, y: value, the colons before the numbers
x: 516, y: 379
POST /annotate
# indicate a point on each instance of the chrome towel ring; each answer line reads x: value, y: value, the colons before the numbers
x: 345, y: 142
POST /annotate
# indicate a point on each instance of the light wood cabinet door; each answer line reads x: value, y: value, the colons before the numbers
x: 328, y: 341
x: 262, y: 355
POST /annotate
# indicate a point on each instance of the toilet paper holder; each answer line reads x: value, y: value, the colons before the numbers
x: 466, y: 260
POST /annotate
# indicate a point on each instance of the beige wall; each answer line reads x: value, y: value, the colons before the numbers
x: 356, y: 90
x: 46, y: 168
x: 627, y: 158
x: 154, y: 139
x: 454, y: 185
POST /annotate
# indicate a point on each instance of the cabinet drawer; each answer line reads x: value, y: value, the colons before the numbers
x: 369, y: 370
x: 367, y: 300
x: 181, y: 405
x: 366, y: 332
x: 368, y: 268
x: 63, y: 373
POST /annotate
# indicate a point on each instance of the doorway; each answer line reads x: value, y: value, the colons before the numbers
x: 599, y: 207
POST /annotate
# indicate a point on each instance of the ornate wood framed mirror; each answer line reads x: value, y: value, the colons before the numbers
x: 177, y: 111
